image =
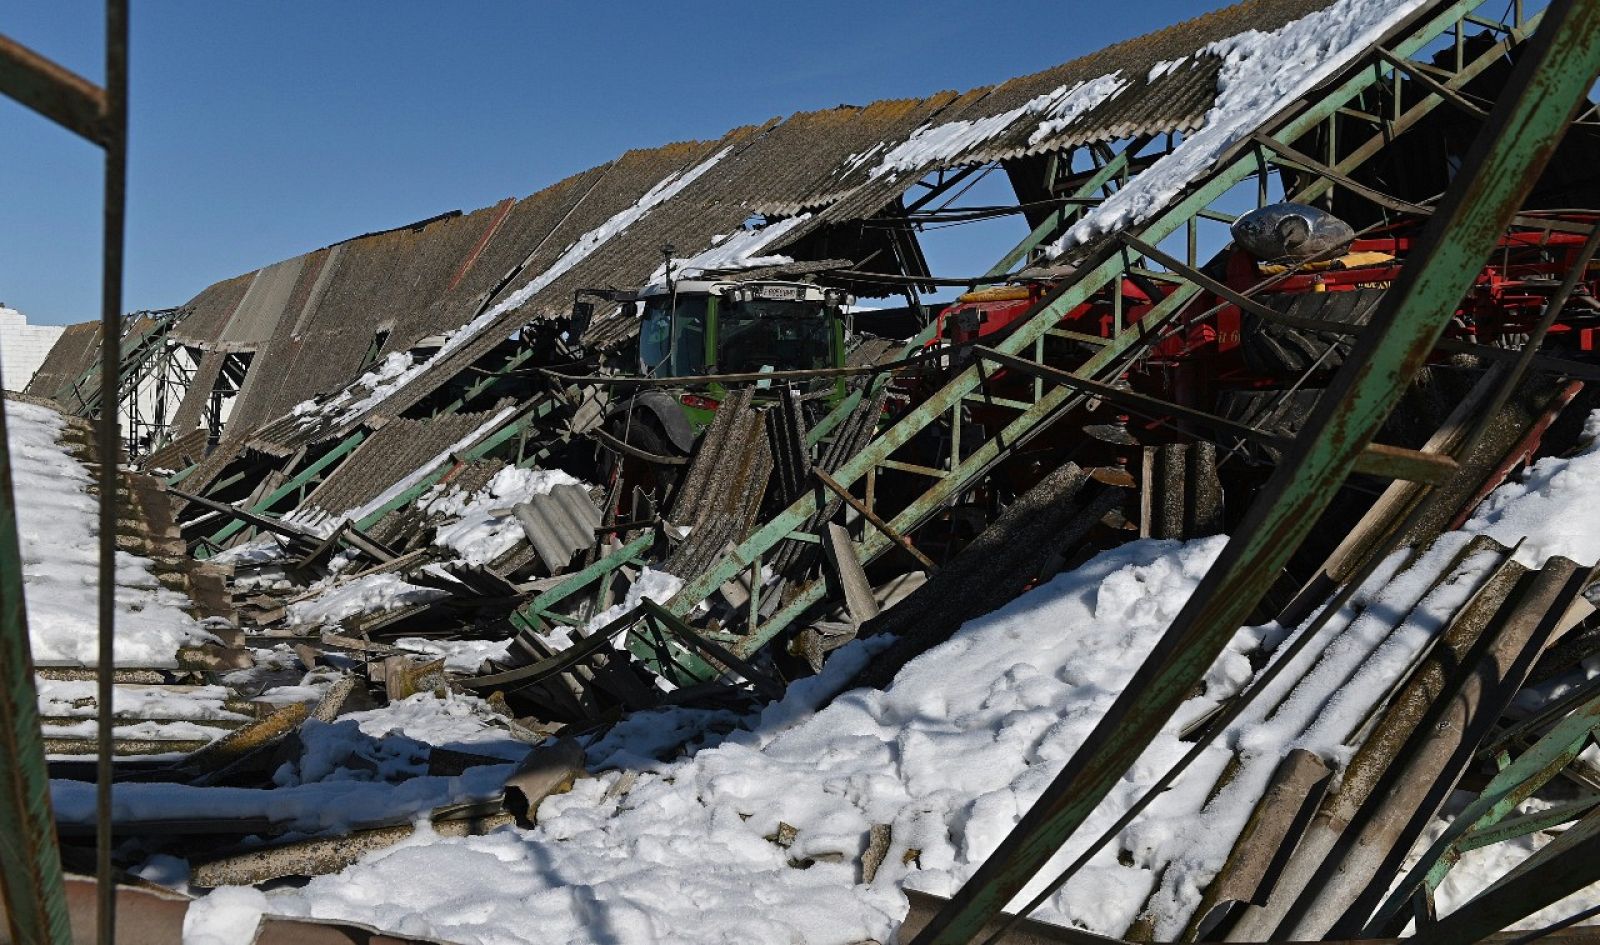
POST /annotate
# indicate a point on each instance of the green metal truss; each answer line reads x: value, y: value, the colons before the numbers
x: 1101, y: 269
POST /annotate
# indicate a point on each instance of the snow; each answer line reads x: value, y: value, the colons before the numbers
x: 76, y: 699
x: 732, y: 252
x: 226, y: 917
x: 481, y: 526
x: 965, y: 739
x: 324, y: 521
x: 672, y: 845
x: 460, y: 656
x: 365, y: 769
x: 1165, y: 67
x: 934, y: 143
x: 400, y: 369
x: 372, y: 593
x: 58, y: 530
x: 651, y: 584
x: 1261, y: 73
x: 1551, y: 505
x: 667, y: 846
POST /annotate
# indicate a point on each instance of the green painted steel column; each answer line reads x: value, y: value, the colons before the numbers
x: 30, y: 863
x: 1546, y: 87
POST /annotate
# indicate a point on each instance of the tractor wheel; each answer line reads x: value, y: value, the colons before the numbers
x: 1282, y: 351
x: 646, y: 435
x: 1270, y: 411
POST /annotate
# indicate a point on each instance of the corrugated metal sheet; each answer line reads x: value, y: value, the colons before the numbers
x: 182, y: 452
x: 263, y: 304
x: 559, y: 524
x: 210, y: 311
x: 198, y: 395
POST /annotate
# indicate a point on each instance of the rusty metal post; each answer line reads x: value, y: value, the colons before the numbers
x: 1545, y: 89
x: 115, y: 143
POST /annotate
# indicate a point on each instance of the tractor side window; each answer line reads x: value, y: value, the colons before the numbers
x: 655, y: 336
x: 689, y: 336
x: 672, y: 337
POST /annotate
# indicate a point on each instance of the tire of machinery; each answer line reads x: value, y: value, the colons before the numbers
x: 1282, y: 351
x: 1269, y: 411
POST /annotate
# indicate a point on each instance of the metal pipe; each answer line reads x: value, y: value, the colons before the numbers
x: 116, y: 160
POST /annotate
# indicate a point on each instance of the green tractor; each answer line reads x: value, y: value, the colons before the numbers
x: 694, y: 332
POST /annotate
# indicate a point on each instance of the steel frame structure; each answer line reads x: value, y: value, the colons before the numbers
x: 1059, y: 389
x: 1109, y: 260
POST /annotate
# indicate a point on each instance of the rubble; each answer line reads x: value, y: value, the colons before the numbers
x: 498, y: 625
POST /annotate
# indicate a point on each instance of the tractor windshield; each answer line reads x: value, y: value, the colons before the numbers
x: 672, y: 338
x: 781, y: 335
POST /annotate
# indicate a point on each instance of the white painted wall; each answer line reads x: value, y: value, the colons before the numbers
x: 23, y: 347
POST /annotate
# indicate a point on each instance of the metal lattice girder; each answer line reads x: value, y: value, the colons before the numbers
x: 1099, y: 270
x: 30, y: 864
x: 135, y: 352
x: 1059, y: 219
x: 1562, y: 867
x: 1526, y: 127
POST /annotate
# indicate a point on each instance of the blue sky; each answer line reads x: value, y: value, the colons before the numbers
x: 263, y: 129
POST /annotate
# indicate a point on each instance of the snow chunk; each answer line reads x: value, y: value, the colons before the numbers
x: 227, y: 916
x: 1549, y: 507
x: 483, y: 527
x: 732, y: 252
x: 373, y: 593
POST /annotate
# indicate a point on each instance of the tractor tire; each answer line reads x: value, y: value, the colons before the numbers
x: 646, y: 434
x: 1270, y: 411
x: 1287, y: 353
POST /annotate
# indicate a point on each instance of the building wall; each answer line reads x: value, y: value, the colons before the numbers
x: 23, y: 347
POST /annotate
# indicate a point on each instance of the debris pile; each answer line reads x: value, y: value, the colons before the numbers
x: 606, y: 611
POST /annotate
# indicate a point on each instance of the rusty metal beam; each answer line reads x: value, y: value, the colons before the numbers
x: 54, y: 91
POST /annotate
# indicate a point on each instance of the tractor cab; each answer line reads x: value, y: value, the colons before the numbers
x: 697, y: 332
x: 704, y: 328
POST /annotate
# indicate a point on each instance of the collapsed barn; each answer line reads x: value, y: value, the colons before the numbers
x: 630, y: 445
